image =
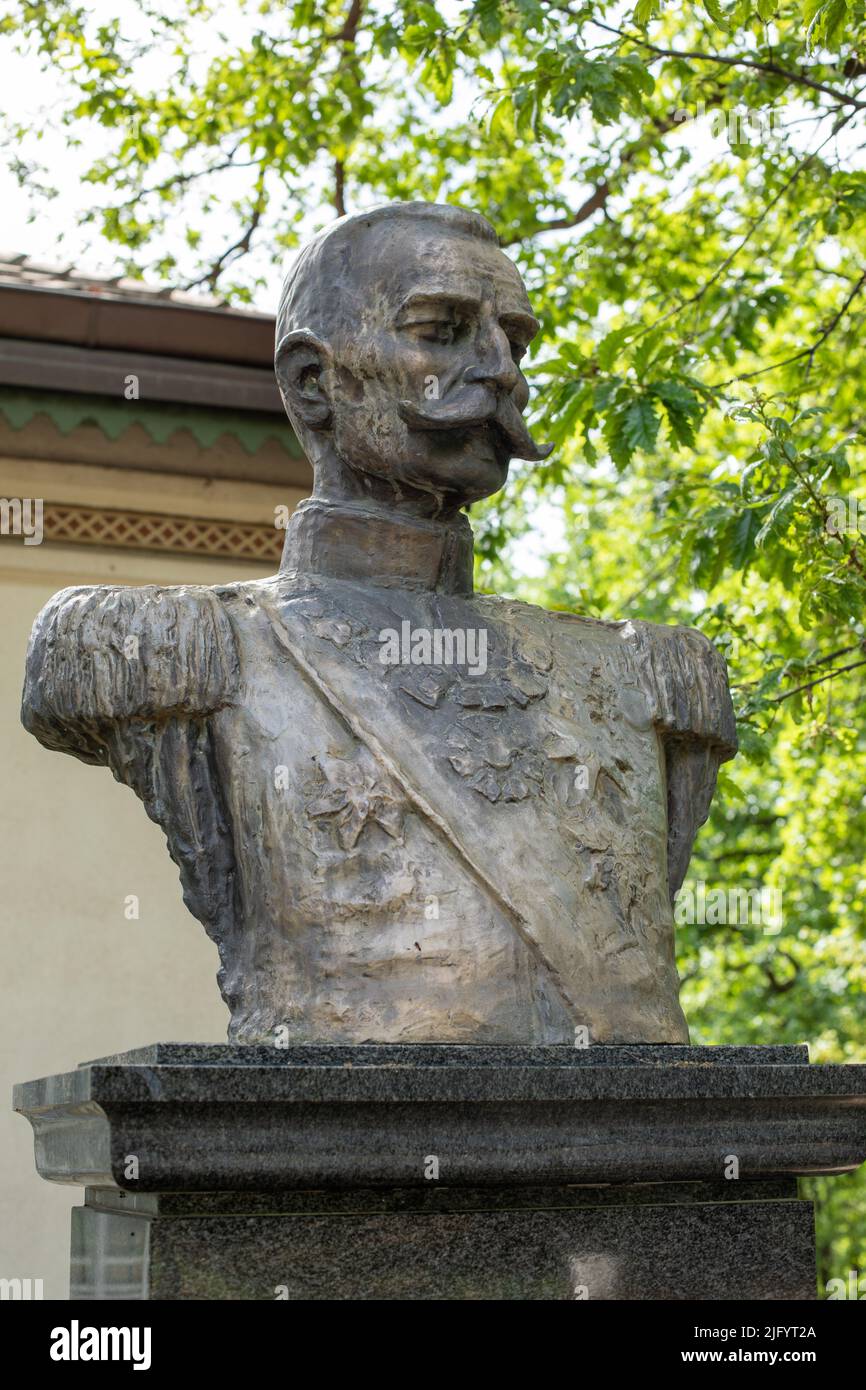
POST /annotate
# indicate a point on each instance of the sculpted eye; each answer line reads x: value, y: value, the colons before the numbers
x: 442, y: 331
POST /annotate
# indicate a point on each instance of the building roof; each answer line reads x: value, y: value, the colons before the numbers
x: 17, y: 268
x: 103, y: 370
x: 64, y: 329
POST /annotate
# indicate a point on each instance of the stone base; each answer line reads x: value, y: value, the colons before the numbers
x: 445, y: 1172
x: 654, y: 1242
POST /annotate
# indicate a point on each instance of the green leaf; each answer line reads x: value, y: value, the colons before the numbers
x: 644, y: 11
x: 610, y: 345
x: 742, y: 538
x: 630, y: 425
x: 683, y: 407
x: 728, y: 789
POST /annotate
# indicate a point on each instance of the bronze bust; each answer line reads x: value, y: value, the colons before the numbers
x: 404, y: 812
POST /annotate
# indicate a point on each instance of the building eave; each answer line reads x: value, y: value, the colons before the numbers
x: 121, y: 324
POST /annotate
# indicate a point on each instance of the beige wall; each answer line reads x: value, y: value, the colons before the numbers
x: 79, y: 980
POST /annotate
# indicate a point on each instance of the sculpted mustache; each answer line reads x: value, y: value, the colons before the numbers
x: 474, y: 407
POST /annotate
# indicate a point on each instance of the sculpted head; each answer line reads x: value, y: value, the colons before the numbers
x: 399, y: 337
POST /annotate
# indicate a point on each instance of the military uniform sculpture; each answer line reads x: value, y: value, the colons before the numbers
x: 404, y: 813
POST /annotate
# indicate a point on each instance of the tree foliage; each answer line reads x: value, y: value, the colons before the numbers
x: 684, y: 189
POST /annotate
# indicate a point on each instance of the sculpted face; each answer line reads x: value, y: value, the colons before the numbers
x: 419, y: 382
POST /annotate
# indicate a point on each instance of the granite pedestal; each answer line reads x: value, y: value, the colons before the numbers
x: 446, y: 1172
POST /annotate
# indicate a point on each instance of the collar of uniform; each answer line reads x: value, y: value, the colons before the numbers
x: 366, y: 545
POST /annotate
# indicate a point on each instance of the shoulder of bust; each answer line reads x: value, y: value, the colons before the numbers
x: 687, y: 680
x: 106, y: 653
x: 519, y: 613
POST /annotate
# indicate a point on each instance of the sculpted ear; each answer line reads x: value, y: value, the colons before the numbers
x: 303, y: 367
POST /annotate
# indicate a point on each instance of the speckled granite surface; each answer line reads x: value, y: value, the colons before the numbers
x: 449, y: 1055
x: 700, y: 1250
x: 228, y: 1119
x: 426, y: 1173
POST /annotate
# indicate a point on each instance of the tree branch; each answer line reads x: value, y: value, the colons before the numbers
x: 348, y: 59
x: 735, y: 61
x: 804, y: 352
x: 340, y: 187
x: 781, y: 986
x: 596, y: 200
x: 744, y: 852
x: 349, y: 31
x: 232, y: 253
x: 602, y: 191
x: 181, y: 180
x: 798, y: 690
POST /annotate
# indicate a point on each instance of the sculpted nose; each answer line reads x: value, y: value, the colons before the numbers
x: 493, y: 361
